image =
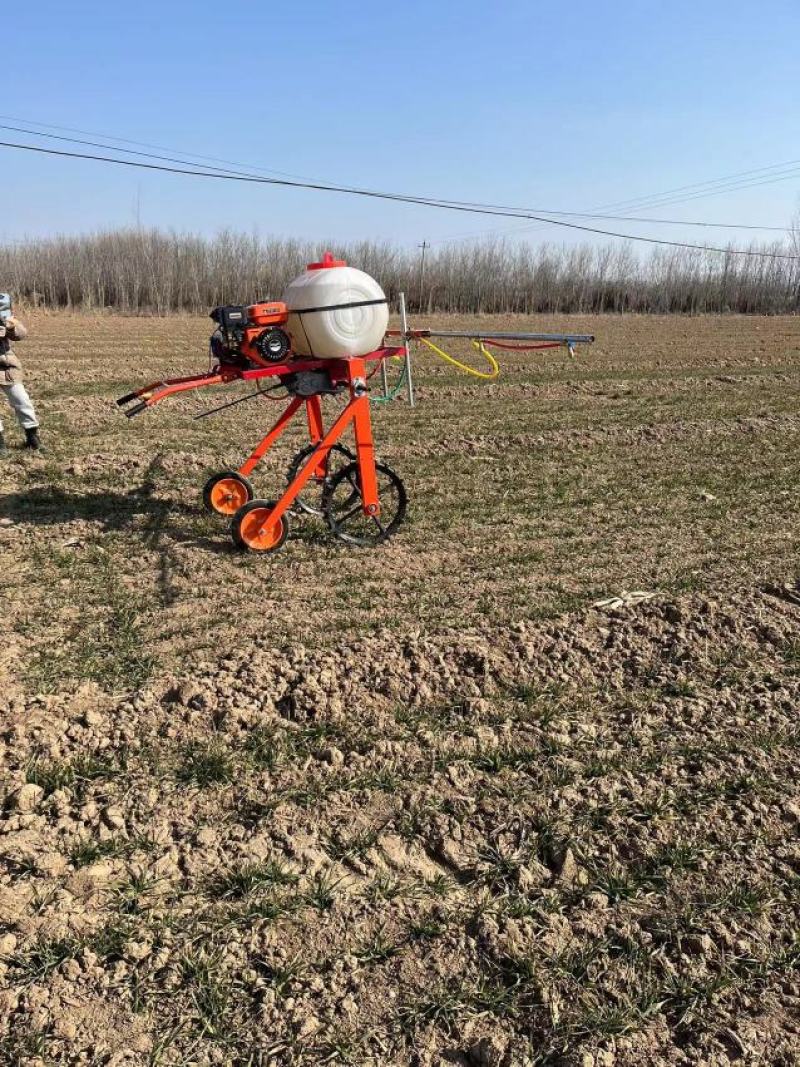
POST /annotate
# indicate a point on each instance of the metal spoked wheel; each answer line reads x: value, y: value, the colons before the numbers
x: 341, y: 502
x: 226, y: 492
x: 253, y: 530
x: 310, y: 500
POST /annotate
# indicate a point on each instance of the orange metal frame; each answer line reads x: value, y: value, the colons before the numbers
x: 356, y: 412
x: 350, y: 372
x: 316, y: 431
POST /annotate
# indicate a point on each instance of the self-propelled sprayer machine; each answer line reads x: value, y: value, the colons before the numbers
x: 321, y: 340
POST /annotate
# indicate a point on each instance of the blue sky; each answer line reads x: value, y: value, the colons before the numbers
x: 562, y: 106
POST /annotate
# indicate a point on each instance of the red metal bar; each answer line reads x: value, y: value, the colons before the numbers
x: 316, y: 430
x: 313, y: 364
x: 520, y: 348
x: 365, y: 455
x: 156, y: 391
x: 181, y: 385
x: 365, y: 445
x: 196, y: 380
x: 317, y: 457
x: 280, y: 368
x: 253, y: 459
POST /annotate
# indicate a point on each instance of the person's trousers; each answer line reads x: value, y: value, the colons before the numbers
x: 17, y: 396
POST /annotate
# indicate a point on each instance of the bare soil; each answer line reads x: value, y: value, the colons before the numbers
x: 456, y: 800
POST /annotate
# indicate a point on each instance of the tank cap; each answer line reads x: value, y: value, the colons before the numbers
x: 327, y: 261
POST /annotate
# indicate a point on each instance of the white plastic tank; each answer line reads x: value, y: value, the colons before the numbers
x: 335, y: 311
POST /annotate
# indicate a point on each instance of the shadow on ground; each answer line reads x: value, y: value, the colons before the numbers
x: 45, y: 505
x: 162, y: 525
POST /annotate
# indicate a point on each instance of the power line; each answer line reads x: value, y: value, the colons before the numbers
x: 751, y: 184
x: 619, y: 218
x: 790, y: 175
x: 457, y: 238
x: 718, y: 186
x: 696, y: 191
x: 635, y: 204
x: 444, y: 205
x: 251, y: 170
x: 652, y: 221
x: 499, y: 207
x: 113, y: 148
x: 672, y: 222
x: 145, y: 144
x: 795, y: 173
x: 639, y: 202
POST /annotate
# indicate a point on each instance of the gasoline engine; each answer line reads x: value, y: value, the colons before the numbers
x: 248, y: 335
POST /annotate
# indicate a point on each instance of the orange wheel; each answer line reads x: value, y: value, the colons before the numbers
x: 225, y: 493
x: 254, y: 531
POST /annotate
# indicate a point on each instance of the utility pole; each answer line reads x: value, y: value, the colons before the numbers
x: 423, y: 246
x: 404, y: 328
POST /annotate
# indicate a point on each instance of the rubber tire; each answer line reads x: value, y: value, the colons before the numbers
x: 397, y: 518
x: 294, y: 467
x: 239, y: 535
x: 208, y: 489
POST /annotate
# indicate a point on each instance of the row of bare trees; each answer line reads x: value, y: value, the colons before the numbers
x: 153, y: 272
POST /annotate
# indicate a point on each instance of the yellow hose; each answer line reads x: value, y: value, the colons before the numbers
x: 463, y: 366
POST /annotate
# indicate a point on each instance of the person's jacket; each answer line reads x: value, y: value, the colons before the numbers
x: 10, y: 366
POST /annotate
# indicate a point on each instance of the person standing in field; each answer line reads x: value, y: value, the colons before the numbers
x: 11, y: 329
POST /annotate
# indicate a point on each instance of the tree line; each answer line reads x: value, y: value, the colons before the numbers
x: 140, y: 271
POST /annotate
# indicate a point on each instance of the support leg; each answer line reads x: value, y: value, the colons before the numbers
x: 319, y: 457
x: 316, y: 431
x: 365, y: 456
x: 261, y: 448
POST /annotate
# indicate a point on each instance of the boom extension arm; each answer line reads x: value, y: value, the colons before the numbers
x: 530, y: 341
x: 565, y: 339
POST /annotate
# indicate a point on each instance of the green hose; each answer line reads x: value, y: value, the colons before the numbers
x: 394, y: 390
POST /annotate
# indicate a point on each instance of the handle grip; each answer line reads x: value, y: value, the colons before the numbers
x: 137, y: 409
